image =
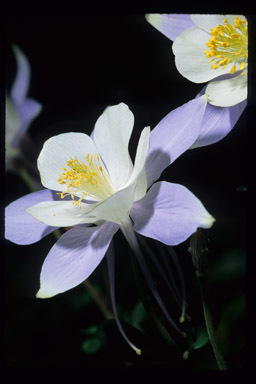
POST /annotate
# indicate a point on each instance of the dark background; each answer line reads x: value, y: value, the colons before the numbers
x: 81, y: 63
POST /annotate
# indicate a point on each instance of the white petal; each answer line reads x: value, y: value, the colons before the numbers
x: 57, y: 151
x: 226, y: 93
x: 116, y: 208
x: 61, y: 213
x: 138, y: 175
x: 190, y: 58
x: 206, y: 22
x: 111, y: 135
x: 171, y: 25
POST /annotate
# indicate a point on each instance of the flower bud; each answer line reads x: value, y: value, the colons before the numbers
x: 199, y: 251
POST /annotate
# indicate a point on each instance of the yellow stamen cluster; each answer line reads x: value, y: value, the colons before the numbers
x: 228, y: 44
x: 85, y: 178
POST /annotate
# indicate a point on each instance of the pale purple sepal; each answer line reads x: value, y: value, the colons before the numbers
x: 74, y: 257
x: 169, y: 213
x: 175, y: 133
x: 27, y: 113
x: 22, y: 228
x: 171, y: 25
x: 22, y: 80
x: 27, y: 108
x: 217, y: 123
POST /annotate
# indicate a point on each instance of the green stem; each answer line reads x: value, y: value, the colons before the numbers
x: 98, y: 300
x: 202, y: 280
x: 25, y: 176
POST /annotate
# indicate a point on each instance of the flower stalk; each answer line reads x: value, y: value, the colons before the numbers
x: 199, y: 252
x: 98, y: 300
x: 202, y: 282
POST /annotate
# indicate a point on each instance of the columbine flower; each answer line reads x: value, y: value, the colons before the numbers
x: 100, y: 186
x: 20, y: 110
x: 206, y: 47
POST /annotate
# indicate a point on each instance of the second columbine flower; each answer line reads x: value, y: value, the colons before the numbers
x: 206, y: 47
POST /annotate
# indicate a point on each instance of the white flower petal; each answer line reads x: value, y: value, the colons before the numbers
x: 138, y: 175
x: 171, y: 25
x: 190, y: 58
x: 57, y: 151
x: 116, y: 208
x: 111, y: 135
x: 226, y: 93
x: 206, y: 22
x: 61, y: 213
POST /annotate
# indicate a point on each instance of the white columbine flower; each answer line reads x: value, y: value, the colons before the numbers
x: 100, y: 190
x: 207, y: 47
x: 97, y: 183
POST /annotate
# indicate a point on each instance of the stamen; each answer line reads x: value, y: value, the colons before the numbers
x: 169, y: 282
x: 174, y: 256
x: 111, y: 270
x: 86, y: 179
x: 131, y: 238
x: 229, y: 43
x: 166, y: 260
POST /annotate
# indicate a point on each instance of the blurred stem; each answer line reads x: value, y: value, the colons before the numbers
x: 98, y: 300
x: 202, y: 281
x: 25, y: 176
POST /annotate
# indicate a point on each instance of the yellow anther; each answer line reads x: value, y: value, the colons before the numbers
x: 230, y: 43
x: 242, y: 65
x: 84, y: 180
x: 239, y: 52
x: 233, y: 69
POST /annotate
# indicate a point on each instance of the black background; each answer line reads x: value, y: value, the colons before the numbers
x: 82, y: 62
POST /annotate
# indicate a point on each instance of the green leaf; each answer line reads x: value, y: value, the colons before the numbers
x: 241, y: 188
x: 91, y: 345
x: 201, y: 338
x: 90, y: 331
x: 230, y: 265
x: 138, y: 315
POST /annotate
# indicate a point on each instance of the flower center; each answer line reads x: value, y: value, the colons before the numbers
x: 229, y: 44
x: 86, y: 179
